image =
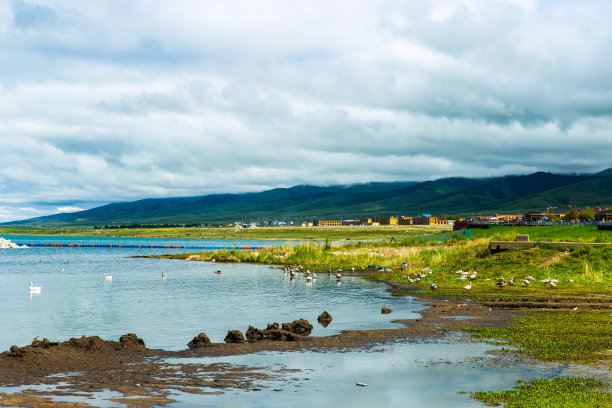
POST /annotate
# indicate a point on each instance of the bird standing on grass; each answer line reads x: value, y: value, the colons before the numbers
x: 468, y: 286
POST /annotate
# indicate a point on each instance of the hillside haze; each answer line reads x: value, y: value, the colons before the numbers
x: 459, y: 196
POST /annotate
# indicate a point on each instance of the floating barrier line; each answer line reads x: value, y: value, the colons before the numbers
x: 139, y: 246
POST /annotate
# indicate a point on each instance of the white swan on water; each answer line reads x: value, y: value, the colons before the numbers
x: 108, y: 277
x: 34, y: 289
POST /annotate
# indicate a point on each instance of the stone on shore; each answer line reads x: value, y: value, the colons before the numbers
x: 385, y: 310
x: 324, y: 319
x: 234, y: 336
x: 201, y: 340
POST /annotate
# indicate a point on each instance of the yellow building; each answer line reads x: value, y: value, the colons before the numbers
x: 327, y: 223
x: 427, y: 221
x: 404, y: 221
x: 387, y: 220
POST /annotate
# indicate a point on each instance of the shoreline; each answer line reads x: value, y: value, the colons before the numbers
x: 92, y: 364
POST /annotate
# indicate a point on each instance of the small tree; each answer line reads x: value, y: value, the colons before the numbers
x: 570, y: 216
x: 586, y: 215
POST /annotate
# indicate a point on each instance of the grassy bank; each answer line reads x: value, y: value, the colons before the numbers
x: 265, y: 233
x: 554, y: 393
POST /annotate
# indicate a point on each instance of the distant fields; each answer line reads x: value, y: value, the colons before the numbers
x: 264, y: 233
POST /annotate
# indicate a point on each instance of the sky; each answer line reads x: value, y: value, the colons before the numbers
x: 107, y: 101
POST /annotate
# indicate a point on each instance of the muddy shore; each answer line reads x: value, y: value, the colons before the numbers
x: 139, y: 374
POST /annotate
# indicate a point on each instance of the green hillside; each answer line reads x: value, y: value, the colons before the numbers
x: 444, y: 196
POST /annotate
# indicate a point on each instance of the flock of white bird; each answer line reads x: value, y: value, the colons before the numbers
x: 309, y: 276
x: 470, y: 276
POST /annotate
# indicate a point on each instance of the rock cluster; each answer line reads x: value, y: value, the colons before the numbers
x: 83, y: 343
x: 385, y: 310
x: 294, y: 331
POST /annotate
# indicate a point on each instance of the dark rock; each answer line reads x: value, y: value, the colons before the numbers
x: 86, y: 343
x: 273, y: 326
x: 324, y: 319
x: 201, y: 340
x: 44, y: 343
x: 234, y: 336
x: 385, y: 310
x: 16, y: 352
x: 130, y: 339
x: 300, y: 326
x: 254, y: 334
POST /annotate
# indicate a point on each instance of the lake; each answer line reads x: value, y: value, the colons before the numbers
x: 168, y: 312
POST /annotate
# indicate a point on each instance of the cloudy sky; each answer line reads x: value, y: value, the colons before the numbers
x: 105, y: 101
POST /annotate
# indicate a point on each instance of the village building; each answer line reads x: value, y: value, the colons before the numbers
x: 404, y: 221
x: 387, y: 220
x: 428, y: 221
x: 604, y: 216
x: 327, y: 223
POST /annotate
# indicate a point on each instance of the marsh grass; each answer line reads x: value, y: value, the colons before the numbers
x: 584, y: 337
x: 562, y: 392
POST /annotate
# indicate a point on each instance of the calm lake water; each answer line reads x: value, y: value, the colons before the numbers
x: 168, y: 312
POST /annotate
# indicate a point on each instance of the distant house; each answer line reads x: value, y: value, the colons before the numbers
x: 327, y: 223
x: 387, y: 220
x: 428, y: 221
x: 531, y: 217
x: 404, y: 221
x: 605, y: 215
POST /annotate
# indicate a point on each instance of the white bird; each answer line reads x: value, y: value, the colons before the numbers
x: 34, y: 289
x: 468, y: 286
x: 164, y: 274
x: 433, y: 286
x: 526, y: 282
x: 338, y: 276
x: 108, y: 277
x: 552, y: 284
x: 62, y: 269
x: 462, y: 278
x: 308, y: 278
x: 473, y: 276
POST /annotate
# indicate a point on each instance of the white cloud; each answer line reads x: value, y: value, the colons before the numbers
x: 113, y: 101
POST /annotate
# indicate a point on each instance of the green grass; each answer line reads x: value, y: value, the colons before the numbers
x: 398, y: 233
x: 565, y: 233
x: 560, y: 392
x: 560, y: 336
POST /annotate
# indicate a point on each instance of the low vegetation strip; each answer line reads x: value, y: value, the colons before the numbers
x: 577, y: 337
x: 560, y: 392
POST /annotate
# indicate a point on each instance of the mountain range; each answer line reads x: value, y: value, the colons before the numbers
x: 456, y: 196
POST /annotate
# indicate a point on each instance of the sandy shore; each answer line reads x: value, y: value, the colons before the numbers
x: 91, y: 364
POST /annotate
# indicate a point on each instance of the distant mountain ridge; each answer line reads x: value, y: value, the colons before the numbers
x: 444, y: 196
